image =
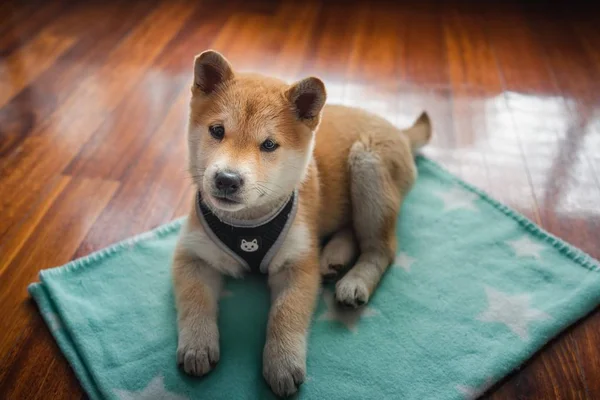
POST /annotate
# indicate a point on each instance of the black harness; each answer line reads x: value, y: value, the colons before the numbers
x: 252, y: 243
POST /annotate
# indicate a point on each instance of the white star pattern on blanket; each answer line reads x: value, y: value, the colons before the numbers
x: 472, y: 393
x: 404, y: 261
x: 154, y: 391
x: 348, y: 317
x: 457, y: 198
x: 525, y: 247
x: 511, y: 310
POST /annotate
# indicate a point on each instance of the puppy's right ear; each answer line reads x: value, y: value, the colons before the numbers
x: 211, y: 69
x: 307, y: 98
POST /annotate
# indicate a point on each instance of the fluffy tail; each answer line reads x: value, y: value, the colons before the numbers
x: 420, y: 133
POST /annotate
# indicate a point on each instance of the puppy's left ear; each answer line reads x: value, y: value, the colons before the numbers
x: 307, y: 98
x: 211, y: 70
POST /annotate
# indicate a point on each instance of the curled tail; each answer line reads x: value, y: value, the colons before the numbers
x: 420, y: 133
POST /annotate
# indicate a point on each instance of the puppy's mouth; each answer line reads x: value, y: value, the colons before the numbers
x: 226, y: 201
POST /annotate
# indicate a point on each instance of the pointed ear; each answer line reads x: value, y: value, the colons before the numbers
x: 210, y: 70
x: 244, y: 241
x: 307, y: 98
x: 255, y: 241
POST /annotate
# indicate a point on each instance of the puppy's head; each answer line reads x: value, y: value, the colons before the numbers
x: 250, y: 137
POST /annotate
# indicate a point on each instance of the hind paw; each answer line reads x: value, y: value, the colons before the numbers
x: 351, y: 291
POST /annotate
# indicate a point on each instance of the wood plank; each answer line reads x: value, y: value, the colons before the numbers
x: 471, y: 61
x: 551, y: 374
x: 57, y: 236
x: 574, y: 69
x: 330, y: 47
x: 36, y: 368
x: 586, y: 28
x: 379, y: 36
x: 196, y: 35
x: 15, y: 11
x: 185, y: 202
x: 523, y: 70
x: 71, y: 126
x: 26, y: 111
x: 586, y: 338
x: 239, y: 31
x: 298, y: 21
x: 12, y: 244
x: 470, y: 118
x: 152, y: 188
x: 28, y: 62
x: 426, y: 53
x: 22, y: 22
x: 587, y: 32
x: 281, y: 38
x: 121, y: 138
x: 521, y: 63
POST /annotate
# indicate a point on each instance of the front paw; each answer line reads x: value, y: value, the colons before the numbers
x: 198, y: 350
x: 284, y: 368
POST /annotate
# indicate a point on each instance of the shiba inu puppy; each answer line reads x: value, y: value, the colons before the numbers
x: 277, y: 173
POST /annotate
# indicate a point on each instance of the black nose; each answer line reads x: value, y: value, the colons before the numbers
x: 228, y: 182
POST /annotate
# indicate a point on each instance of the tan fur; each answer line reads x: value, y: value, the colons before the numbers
x: 350, y: 187
x: 339, y: 252
x: 197, y: 290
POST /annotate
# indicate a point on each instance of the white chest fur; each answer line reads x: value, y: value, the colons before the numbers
x: 196, y: 241
x: 295, y: 246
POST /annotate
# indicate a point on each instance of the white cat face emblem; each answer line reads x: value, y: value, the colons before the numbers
x: 249, y: 246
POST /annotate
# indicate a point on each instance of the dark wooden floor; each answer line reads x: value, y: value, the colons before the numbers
x: 92, y: 115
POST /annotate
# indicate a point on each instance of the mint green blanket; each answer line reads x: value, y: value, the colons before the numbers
x: 475, y: 290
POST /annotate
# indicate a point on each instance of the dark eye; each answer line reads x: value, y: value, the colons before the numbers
x: 269, y: 145
x: 217, y: 131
